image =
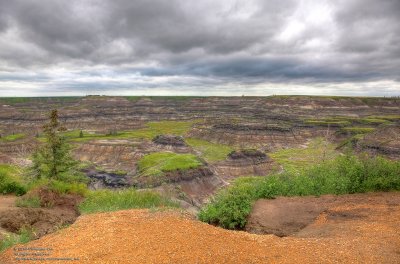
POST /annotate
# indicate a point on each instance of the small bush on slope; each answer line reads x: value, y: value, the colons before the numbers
x: 345, y: 174
x: 107, y: 200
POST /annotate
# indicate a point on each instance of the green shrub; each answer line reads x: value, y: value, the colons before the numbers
x: 231, y: 206
x: 107, y: 200
x: 345, y: 174
x: 10, y: 181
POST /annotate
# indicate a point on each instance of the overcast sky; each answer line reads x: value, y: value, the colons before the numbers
x: 203, y: 47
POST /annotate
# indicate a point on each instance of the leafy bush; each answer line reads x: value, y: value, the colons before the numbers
x: 10, y: 181
x: 107, y: 200
x: 345, y: 174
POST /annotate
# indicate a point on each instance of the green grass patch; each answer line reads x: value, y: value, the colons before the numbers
x: 374, y: 121
x: 107, y: 200
x: 327, y: 122
x: 23, y: 236
x: 387, y: 117
x: 11, y: 181
x: 211, y: 152
x: 357, y: 130
x: 345, y: 174
x: 12, y: 137
x: 155, y: 164
x: 297, y: 159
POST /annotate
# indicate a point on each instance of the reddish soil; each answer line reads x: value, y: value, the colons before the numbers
x: 286, y: 216
x: 140, y: 236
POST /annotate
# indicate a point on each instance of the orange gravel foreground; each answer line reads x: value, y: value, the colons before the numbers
x: 141, y: 236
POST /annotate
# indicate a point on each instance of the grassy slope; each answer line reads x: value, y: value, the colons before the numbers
x: 107, y: 200
x: 156, y: 163
x: 211, y: 152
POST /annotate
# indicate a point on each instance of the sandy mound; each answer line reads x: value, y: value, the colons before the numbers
x: 140, y: 236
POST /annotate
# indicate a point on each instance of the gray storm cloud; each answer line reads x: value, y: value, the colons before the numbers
x: 57, y: 46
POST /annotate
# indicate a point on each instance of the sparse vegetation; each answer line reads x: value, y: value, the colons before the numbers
x: 155, y: 164
x: 106, y: 200
x: 345, y: 174
x: 297, y: 159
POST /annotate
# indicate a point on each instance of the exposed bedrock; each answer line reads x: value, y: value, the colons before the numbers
x: 384, y: 141
x: 266, y: 139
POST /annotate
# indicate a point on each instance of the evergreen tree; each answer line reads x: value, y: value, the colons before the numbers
x: 53, y: 160
x: 81, y: 134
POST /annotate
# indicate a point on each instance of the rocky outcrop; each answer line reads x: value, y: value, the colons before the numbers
x: 248, y: 154
x: 103, y: 179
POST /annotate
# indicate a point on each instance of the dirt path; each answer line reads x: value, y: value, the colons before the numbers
x: 140, y: 236
x: 7, y: 202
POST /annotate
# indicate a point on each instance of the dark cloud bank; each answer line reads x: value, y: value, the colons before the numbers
x: 58, y: 47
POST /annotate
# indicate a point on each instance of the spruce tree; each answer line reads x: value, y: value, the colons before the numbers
x: 53, y: 159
